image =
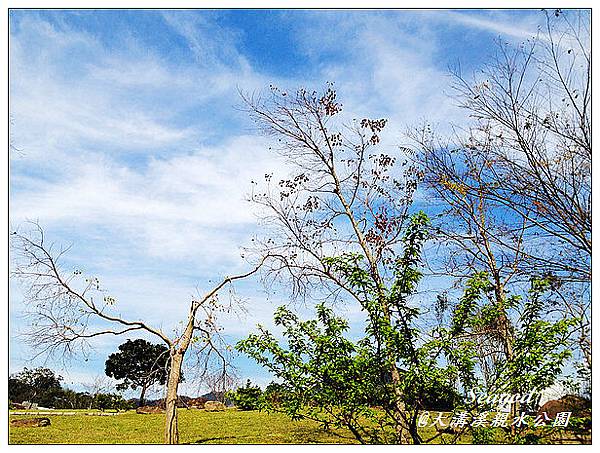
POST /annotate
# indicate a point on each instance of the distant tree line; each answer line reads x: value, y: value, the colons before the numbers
x: 44, y: 387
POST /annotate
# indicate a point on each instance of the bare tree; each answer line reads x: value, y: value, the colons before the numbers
x: 515, y: 187
x: 99, y: 384
x: 343, y: 198
x: 220, y: 381
x: 67, y: 311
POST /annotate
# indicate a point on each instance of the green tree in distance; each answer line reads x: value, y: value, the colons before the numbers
x: 139, y: 364
x: 39, y: 385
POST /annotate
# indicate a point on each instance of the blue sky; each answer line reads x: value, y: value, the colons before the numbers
x: 132, y: 149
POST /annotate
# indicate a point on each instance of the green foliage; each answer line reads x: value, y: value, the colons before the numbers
x: 463, y: 316
x: 70, y: 399
x: 527, y: 438
x: 139, y: 364
x: 247, y: 398
x: 338, y: 382
x: 483, y: 436
x: 328, y: 378
x: 538, y: 344
x: 581, y: 426
x: 40, y: 385
x: 273, y: 395
x: 43, y: 386
x: 325, y: 377
x: 108, y: 401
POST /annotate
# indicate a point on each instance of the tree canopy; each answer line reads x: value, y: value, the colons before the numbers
x: 139, y: 364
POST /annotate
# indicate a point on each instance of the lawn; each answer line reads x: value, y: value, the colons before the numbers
x: 195, y: 427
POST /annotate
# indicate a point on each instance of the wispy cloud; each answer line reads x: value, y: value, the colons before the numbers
x: 169, y: 208
x: 212, y: 45
x: 522, y: 29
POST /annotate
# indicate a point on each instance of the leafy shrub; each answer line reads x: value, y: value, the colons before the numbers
x: 273, y: 394
x: 246, y: 398
x: 104, y: 401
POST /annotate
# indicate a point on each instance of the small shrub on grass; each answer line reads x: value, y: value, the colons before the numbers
x: 111, y: 401
x: 247, y: 398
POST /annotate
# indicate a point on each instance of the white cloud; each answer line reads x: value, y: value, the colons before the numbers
x: 114, y: 140
x: 521, y: 29
x: 71, y: 94
x: 213, y: 45
x: 64, y: 109
x: 174, y: 207
x: 388, y: 67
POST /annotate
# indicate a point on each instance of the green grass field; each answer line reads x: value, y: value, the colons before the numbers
x: 195, y: 427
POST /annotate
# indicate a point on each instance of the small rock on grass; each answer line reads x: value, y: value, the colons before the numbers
x: 31, y: 422
x: 214, y: 406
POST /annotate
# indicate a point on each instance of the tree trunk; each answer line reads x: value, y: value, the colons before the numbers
x: 403, y: 432
x: 143, y: 394
x: 171, y: 431
x: 508, y: 339
x: 177, y: 352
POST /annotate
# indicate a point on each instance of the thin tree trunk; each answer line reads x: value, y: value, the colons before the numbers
x: 171, y: 430
x: 402, y: 432
x: 143, y: 394
x: 178, y: 350
x: 508, y: 338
